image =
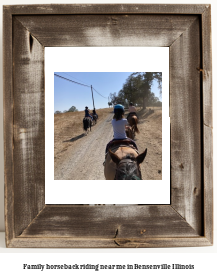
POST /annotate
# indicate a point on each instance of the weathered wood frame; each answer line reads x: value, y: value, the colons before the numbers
x: 188, y: 220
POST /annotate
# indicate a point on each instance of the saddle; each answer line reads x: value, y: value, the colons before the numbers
x: 132, y: 113
x: 122, y: 143
x: 86, y: 118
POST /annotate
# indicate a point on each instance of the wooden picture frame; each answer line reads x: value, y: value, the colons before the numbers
x: 186, y: 30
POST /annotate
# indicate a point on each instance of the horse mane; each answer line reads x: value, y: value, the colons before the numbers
x: 129, y: 156
x: 128, y: 173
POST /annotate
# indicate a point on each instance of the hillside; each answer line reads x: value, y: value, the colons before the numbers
x: 68, y: 128
x: 74, y: 153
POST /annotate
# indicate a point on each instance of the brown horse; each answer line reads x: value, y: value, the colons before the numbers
x: 133, y: 121
x: 123, y: 163
x: 130, y: 132
x: 94, y: 118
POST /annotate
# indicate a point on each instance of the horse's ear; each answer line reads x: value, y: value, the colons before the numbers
x: 141, y: 157
x: 114, y: 157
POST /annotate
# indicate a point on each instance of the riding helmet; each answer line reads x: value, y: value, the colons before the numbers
x: 118, y: 107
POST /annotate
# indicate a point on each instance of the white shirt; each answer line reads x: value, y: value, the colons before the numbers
x: 119, y: 128
x: 132, y: 109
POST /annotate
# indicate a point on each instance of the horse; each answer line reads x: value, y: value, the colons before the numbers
x: 133, y: 121
x: 123, y: 163
x: 130, y: 132
x: 94, y: 118
x: 87, y: 124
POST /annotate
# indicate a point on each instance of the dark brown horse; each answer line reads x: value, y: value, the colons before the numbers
x: 94, y: 118
x: 87, y: 124
x: 123, y: 163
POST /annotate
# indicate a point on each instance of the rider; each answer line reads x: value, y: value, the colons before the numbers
x: 94, y: 112
x: 119, y: 123
x: 87, y: 113
x: 132, y: 110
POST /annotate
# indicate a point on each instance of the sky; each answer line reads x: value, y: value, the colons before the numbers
x: 68, y: 94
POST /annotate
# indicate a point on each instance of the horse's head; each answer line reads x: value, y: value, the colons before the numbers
x: 128, y: 167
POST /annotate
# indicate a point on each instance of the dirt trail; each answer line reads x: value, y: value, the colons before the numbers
x: 82, y: 159
x: 150, y: 137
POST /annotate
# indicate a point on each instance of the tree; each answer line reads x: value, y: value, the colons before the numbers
x: 57, y: 112
x: 131, y: 89
x: 72, y: 109
x: 114, y: 98
x: 154, y: 101
x: 145, y: 82
x: 137, y: 89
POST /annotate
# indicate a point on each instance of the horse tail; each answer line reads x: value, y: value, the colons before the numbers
x: 95, y: 117
x: 133, y: 129
x: 128, y: 133
x: 131, y: 132
x: 135, y: 121
x: 89, y: 123
x: 85, y: 124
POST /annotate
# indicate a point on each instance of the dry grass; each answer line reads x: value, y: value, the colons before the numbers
x: 68, y: 127
x: 150, y: 137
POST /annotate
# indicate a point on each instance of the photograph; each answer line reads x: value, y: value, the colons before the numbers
x: 96, y: 95
x: 107, y: 125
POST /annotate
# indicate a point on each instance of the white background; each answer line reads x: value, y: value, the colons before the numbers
x: 204, y: 258
x: 139, y: 59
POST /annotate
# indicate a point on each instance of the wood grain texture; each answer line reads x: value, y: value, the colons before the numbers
x: 207, y: 122
x: 62, y: 242
x: 186, y: 133
x: 208, y: 182
x: 29, y: 140
x: 207, y: 66
x: 109, y: 222
x: 107, y: 30
x: 8, y: 126
x: 186, y: 30
x: 106, y: 9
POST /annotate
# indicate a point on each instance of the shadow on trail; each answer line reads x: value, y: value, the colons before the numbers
x: 75, y: 138
x: 144, y: 114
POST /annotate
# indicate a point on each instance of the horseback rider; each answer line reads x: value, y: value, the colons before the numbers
x: 119, y: 124
x: 94, y: 113
x: 132, y: 110
x: 87, y: 113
